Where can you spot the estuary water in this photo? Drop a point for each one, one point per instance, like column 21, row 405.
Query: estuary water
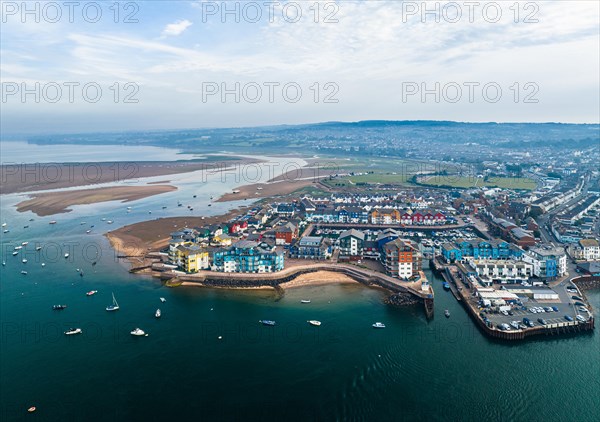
column 443, row 369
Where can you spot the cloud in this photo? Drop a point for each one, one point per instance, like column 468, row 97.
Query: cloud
column 176, row 28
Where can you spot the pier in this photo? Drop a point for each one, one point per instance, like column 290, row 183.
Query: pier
column 463, row 292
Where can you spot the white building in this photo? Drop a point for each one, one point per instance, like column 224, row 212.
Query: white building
column 586, row 249
column 547, row 262
column 502, row 270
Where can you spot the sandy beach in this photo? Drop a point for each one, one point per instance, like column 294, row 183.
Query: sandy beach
column 135, row 240
column 44, row 204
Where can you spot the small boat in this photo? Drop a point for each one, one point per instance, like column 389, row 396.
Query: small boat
column 72, row 331
column 6, row 231
column 163, row 300
column 114, row 306
column 138, row 332
column 103, row 218
column 31, row 409
column 149, row 212
column 18, row 248
column 446, row 286
column 88, row 231
column 43, row 264
column 195, row 196
column 81, row 273
column 52, row 222
column 94, row 263
column 157, row 313
column 38, row 248
column 3, row 224
column 314, row 322
column 15, row 253
column 210, row 205
column 66, row 255
column 82, row 223
column 25, row 243
column 267, row 322
column 24, row 272
column 447, row 313
column 164, row 207
column 305, row 301
column 91, row 293
column 59, row 307
column 26, row 226
column 109, row 222
column 3, row 263
column 379, row 325
column 24, row 261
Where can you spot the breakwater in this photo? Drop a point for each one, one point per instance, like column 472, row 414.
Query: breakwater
column 403, row 293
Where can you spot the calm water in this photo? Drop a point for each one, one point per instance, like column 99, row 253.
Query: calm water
column 415, row 369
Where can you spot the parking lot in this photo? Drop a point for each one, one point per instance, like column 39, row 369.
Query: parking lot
column 565, row 305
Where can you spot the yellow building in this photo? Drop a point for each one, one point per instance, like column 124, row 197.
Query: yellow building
column 190, row 258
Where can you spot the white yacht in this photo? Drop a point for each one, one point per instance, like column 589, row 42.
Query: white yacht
column 24, row 261
column 72, row 331
column 114, row 306
column 314, row 322
column 163, row 300
column 305, row 301
column 379, row 325
column 66, row 255
column 138, row 332
column 157, row 313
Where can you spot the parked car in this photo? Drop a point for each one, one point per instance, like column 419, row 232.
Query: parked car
column 568, row 318
column 542, row 321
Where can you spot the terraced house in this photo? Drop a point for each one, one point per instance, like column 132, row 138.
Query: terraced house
column 247, row 256
column 480, row 249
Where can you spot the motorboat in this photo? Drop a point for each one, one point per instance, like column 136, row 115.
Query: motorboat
column 88, row 231
column 447, row 313
column 6, row 231
column 24, row 243
column 15, row 253
column 163, row 300
column 446, row 286
column 66, row 255
column 3, row 224
column 91, row 293
column 305, row 301
column 24, row 272
column 52, row 222
column 72, row 331
column 43, row 264
column 38, row 248
column 18, row 248
column 138, row 332
column 267, row 322
column 59, row 307
column 3, row 263
column 157, row 313
column 31, row 409
column 24, row 261
column 379, row 325
column 114, row 306
column 314, row 322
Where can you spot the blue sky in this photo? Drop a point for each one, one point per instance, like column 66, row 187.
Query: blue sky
column 367, row 57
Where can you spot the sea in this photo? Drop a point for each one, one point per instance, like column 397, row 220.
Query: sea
column 208, row 358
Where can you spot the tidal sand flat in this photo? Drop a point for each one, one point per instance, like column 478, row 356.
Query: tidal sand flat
column 44, row 204
column 34, row 177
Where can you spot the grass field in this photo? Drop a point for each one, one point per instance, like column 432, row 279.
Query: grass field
column 455, row 181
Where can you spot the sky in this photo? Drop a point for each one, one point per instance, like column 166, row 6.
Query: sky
column 106, row 66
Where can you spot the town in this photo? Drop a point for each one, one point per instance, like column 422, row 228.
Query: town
column 506, row 254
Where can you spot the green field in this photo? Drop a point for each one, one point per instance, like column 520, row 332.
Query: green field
column 455, row 181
